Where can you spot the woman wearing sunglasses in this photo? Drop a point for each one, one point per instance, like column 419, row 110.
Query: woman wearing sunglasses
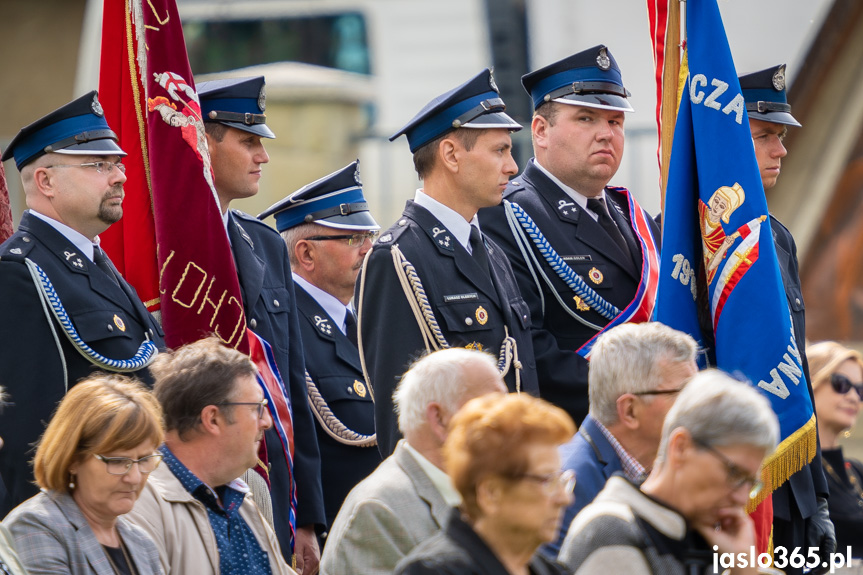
column 837, row 381
column 91, row 464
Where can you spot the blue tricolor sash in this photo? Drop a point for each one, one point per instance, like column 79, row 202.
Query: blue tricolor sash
column 261, row 354
column 715, row 212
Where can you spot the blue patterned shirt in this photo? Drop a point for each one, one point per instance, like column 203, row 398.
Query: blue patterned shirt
column 239, row 550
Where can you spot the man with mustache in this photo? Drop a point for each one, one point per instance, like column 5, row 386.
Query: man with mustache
column 600, row 236
column 327, row 245
column 235, row 123
column 64, row 308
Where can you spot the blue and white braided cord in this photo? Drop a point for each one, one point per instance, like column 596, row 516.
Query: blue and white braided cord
column 144, row 356
column 561, row 268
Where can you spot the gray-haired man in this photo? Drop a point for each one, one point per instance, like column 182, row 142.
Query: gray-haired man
column 409, row 496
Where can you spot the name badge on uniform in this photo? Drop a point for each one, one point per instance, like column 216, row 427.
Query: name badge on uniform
column 584, row 258
column 461, row 297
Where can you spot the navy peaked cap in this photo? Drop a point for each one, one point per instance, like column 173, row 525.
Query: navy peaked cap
column 590, row 78
column 236, row 102
column 764, row 92
column 78, row 128
column 474, row 104
column 335, row 201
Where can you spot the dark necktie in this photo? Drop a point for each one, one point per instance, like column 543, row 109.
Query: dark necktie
column 101, row 261
column 478, row 251
column 597, row 206
column 351, row 326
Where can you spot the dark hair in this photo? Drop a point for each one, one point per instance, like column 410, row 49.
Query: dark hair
column 426, row 156
column 215, row 130
column 548, row 110
column 194, row 376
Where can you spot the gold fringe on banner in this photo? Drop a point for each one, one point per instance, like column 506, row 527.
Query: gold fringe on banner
column 794, row 453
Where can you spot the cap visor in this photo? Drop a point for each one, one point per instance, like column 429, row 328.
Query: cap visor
column 601, row 101
column 102, row 147
column 257, row 129
column 775, row 117
column 355, row 221
column 493, row 120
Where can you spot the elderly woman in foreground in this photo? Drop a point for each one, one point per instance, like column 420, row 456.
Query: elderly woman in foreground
column 501, row 453
column 91, row 463
column 714, row 440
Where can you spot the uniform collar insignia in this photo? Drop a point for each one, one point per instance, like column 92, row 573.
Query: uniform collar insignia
column 442, row 237
column 324, row 326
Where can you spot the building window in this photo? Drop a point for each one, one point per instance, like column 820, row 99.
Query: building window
column 333, row 40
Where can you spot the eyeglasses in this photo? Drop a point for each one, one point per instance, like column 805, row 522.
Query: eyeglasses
column 101, row 167
column 261, row 405
column 737, row 476
column 842, row 385
column 122, row 465
column 658, row 392
column 354, row 240
column 552, row 481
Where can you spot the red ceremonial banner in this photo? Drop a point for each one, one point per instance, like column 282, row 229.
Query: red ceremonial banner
column 6, row 228
column 131, row 242
column 149, row 96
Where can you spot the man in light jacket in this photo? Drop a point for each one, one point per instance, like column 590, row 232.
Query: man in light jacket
column 197, row 510
column 409, row 497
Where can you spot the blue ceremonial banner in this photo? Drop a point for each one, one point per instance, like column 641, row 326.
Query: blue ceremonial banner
column 717, row 232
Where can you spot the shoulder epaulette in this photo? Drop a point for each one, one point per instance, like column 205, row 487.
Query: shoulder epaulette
column 17, row 248
column 392, row 235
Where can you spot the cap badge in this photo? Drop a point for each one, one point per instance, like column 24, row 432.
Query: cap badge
column 481, row 315
column 360, row 388
column 602, row 60
column 262, row 99
column 595, row 276
column 357, row 175
column 491, row 82
column 779, row 79
column 96, row 106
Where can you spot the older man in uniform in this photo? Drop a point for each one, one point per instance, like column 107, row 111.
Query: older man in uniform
column 432, row 280
column 328, row 230
column 235, row 123
column 64, row 308
column 800, row 516
column 598, row 265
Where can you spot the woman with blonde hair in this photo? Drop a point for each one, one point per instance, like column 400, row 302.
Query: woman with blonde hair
column 837, row 382
column 91, row 464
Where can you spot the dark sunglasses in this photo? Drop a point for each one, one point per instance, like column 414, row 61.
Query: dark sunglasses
column 842, row 385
